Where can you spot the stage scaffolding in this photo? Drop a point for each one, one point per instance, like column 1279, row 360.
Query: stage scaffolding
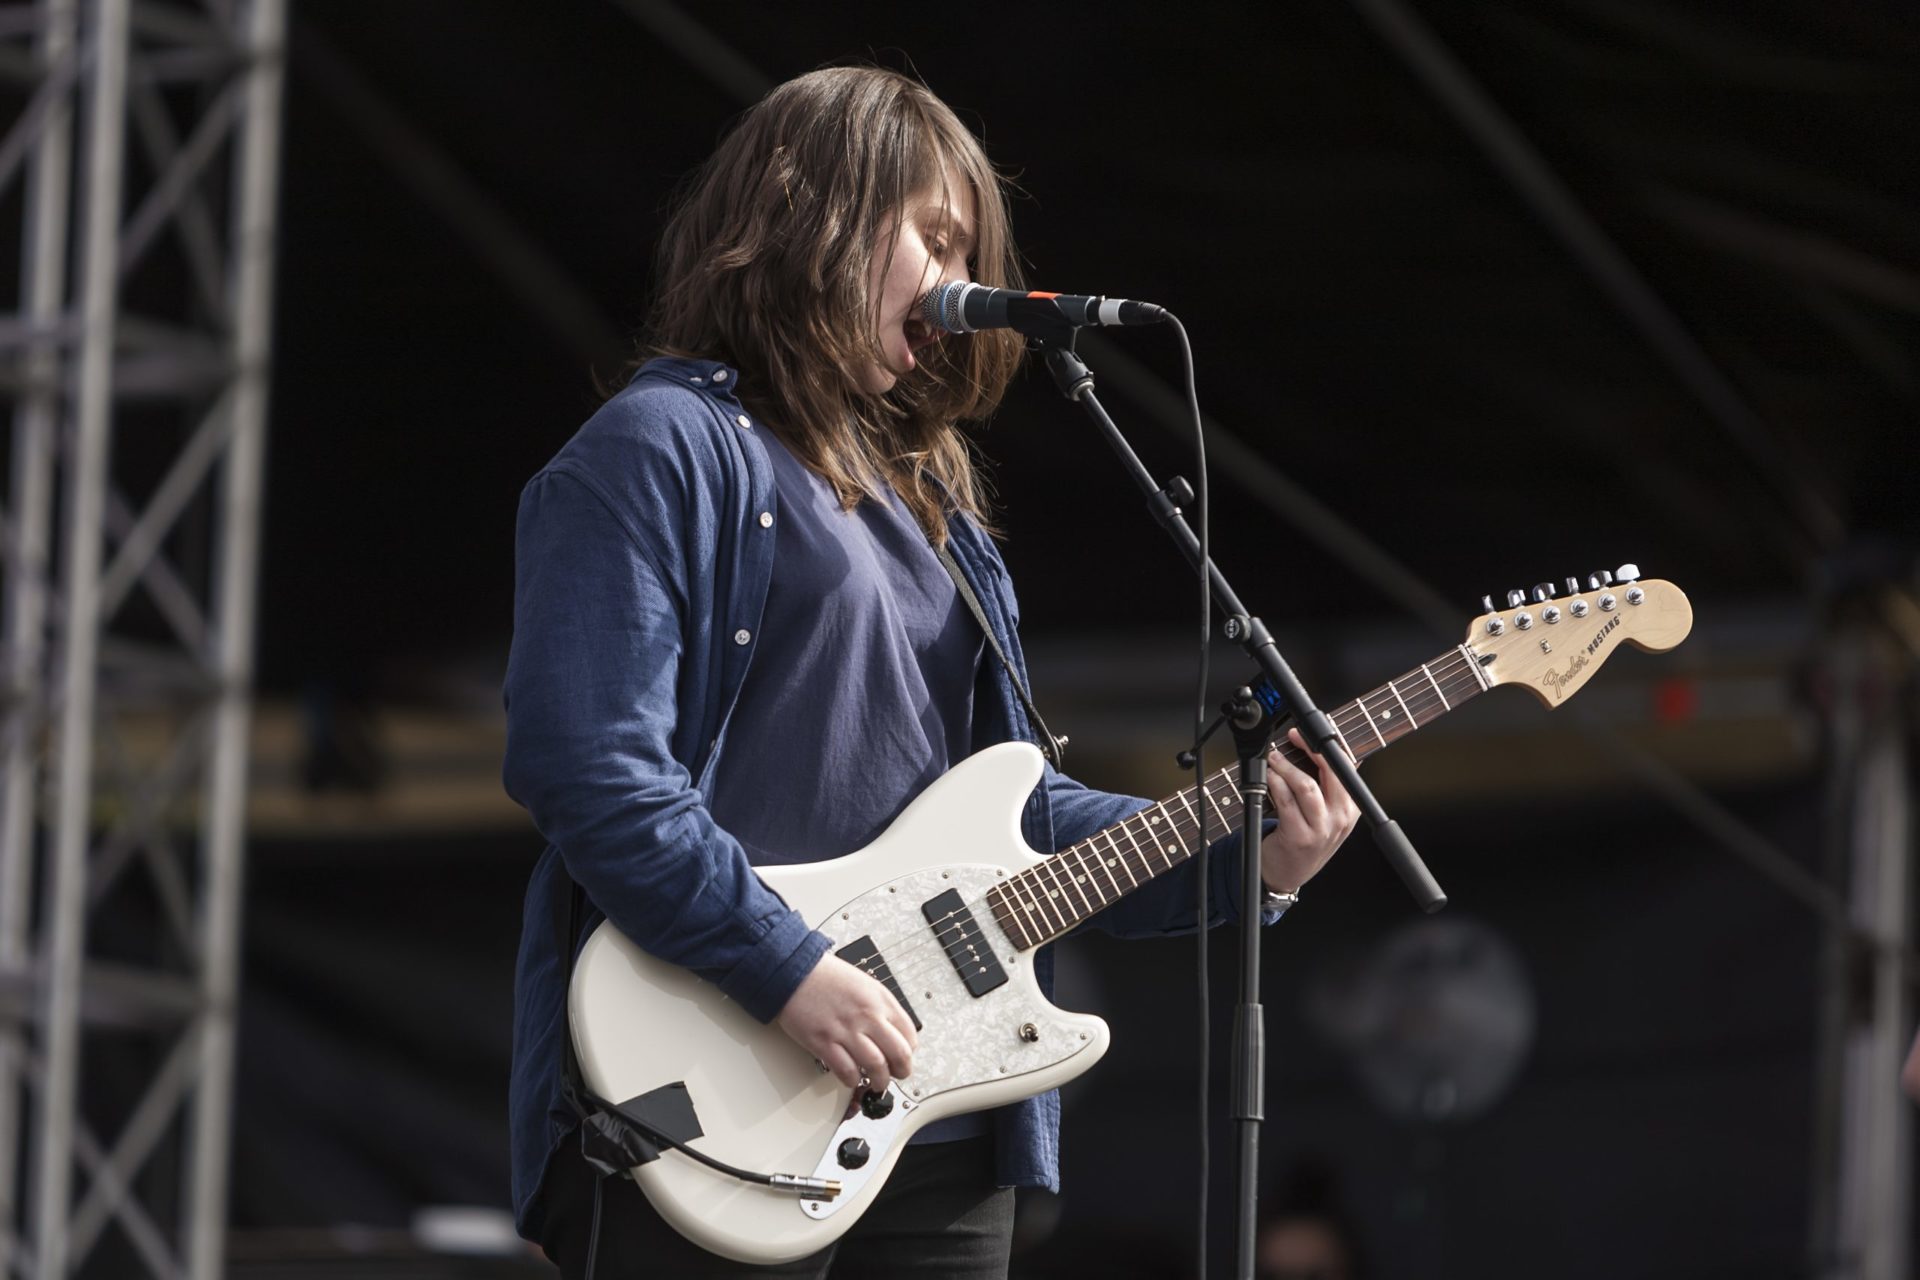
column 134, row 360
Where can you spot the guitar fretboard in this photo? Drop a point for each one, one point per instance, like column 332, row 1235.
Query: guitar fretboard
column 1043, row 903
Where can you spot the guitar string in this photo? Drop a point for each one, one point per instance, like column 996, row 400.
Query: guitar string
column 1053, row 883
column 891, row 954
column 1452, row 675
column 894, row 953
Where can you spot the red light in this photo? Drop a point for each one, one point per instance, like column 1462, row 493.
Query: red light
column 1676, row 701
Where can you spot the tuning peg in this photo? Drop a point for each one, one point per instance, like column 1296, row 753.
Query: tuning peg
column 1573, row 586
column 1486, row 602
column 1516, row 598
column 1599, row 578
column 1626, row 573
column 1542, row 592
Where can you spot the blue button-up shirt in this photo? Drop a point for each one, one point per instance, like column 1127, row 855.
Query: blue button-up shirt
column 642, row 559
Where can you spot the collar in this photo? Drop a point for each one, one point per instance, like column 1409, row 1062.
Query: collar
column 712, row 376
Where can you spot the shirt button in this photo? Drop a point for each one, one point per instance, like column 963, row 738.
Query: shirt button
column 742, row 636
column 719, row 375
column 744, row 420
column 766, row 519
column 696, row 380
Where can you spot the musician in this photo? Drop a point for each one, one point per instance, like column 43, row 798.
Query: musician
column 734, row 644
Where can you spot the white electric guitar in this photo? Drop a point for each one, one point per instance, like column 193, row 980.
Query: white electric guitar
column 946, row 908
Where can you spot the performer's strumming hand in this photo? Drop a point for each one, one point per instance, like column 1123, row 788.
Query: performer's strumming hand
column 852, row 1024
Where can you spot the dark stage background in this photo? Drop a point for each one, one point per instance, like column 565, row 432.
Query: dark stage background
column 1648, row 1133
column 1380, row 315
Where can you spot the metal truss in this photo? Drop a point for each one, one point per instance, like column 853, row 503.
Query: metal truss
column 134, row 364
column 1862, row 1202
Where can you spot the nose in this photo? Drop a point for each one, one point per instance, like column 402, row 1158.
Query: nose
column 952, row 271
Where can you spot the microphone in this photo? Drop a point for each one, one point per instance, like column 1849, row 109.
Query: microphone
column 963, row 308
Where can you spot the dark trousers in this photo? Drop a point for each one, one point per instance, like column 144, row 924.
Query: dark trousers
column 939, row 1217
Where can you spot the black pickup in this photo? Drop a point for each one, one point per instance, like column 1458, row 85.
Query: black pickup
column 973, row 959
column 862, row 954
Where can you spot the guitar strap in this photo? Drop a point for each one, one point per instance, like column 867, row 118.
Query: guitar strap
column 607, row 1145
column 1053, row 748
column 615, row 1136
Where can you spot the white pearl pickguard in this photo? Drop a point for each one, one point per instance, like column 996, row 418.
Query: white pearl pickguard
column 763, row 1103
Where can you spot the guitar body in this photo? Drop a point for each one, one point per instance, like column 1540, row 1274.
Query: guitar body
column 762, row 1102
column 913, row 910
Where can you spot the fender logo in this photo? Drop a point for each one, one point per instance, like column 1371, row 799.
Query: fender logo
column 1557, row 680
column 1561, row 681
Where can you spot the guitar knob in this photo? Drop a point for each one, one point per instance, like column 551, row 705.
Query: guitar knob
column 1542, row 592
column 1626, row 573
column 854, row 1153
column 876, row 1106
column 1516, row 598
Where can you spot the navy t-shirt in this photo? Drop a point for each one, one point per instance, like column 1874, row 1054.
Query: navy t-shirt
column 861, row 689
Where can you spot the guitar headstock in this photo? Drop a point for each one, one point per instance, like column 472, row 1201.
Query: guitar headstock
column 1552, row 644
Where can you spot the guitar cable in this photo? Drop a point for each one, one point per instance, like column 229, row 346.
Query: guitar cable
column 605, row 1117
column 805, row 1187
column 593, row 1229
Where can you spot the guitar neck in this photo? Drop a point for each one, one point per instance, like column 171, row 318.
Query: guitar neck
column 1045, row 902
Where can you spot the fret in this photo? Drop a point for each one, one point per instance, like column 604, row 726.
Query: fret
column 1110, row 858
column 1159, row 848
column 1126, row 829
column 1345, row 745
column 1063, row 878
column 1090, row 866
column 1372, row 723
column 1436, row 688
column 1199, row 827
column 1082, row 878
column 1108, row 863
column 1394, row 689
column 1226, row 820
column 997, row 905
column 1048, row 899
column 1060, row 893
column 1024, row 910
column 1010, row 904
column 1031, row 914
column 1057, row 892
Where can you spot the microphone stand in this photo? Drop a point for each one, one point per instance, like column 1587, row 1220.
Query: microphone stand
column 1252, row 730
column 1075, row 381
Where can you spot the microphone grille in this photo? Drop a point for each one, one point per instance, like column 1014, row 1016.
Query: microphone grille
column 941, row 310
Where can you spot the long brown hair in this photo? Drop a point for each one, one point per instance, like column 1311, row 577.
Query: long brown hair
column 765, row 264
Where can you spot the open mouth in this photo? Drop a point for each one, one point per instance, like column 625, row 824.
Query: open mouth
column 919, row 335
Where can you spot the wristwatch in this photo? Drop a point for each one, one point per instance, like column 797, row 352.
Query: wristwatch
column 1271, row 901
